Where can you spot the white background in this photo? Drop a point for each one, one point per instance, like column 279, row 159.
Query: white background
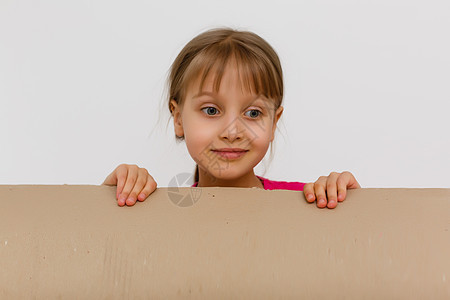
column 367, row 87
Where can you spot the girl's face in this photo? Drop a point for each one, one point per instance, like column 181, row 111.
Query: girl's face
column 230, row 118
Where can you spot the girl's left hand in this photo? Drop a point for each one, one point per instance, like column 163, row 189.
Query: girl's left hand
column 334, row 186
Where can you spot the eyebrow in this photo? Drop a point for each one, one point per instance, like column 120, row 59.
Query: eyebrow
column 257, row 97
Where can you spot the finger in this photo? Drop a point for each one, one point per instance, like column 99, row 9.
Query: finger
column 342, row 187
column 129, row 184
column 319, row 190
column 121, row 175
column 138, row 187
column 308, row 190
column 149, row 188
column 352, row 182
column 110, row 179
column 332, row 189
column 344, row 182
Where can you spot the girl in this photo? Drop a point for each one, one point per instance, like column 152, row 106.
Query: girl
column 225, row 96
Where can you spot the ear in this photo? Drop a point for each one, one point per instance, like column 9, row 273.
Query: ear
column 177, row 121
column 277, row 116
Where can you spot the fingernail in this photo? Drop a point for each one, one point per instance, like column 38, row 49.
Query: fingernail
column 142, row 196
column 310, row 197
column 322, row 202
column 122, row 198
column 131, row 200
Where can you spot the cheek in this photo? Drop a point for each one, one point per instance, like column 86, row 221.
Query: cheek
column 198, row 138
column 263, row 132
column 261, row 139
column 197, row 132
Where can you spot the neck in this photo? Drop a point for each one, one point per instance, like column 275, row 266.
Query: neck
column 249, row 180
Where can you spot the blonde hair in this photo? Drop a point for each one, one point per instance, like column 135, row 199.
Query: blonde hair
column 258, row 63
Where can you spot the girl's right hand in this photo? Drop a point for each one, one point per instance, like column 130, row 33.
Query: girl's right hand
column 133, row 183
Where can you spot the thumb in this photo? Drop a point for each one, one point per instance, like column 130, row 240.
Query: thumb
column 111, row 179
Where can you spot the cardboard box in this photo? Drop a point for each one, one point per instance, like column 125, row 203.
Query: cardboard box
column 76, row 242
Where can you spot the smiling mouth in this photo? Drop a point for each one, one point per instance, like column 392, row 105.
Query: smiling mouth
column 233, row 154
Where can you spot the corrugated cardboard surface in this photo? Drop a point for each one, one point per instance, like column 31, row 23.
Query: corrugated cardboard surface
column 75, row 242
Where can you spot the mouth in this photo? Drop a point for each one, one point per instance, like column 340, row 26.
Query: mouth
column 230, row 153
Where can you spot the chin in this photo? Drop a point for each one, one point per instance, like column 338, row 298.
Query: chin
column 227, row 174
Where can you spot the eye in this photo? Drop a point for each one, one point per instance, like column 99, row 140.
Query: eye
column 254, row 113
column 210, row 109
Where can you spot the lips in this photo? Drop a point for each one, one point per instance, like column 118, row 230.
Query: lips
column 230, row 153
column 229, row 150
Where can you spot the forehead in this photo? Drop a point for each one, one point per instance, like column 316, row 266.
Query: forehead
column 212, row 79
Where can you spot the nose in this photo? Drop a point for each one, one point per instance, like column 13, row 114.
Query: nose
column 234, row 130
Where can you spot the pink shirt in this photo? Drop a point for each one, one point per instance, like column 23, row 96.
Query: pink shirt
column 277, row 185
